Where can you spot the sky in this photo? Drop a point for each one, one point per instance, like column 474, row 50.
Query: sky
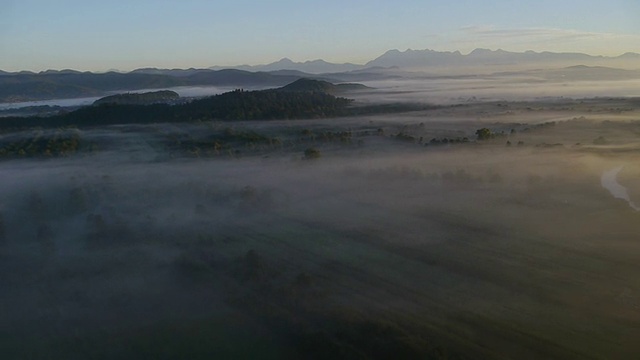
column 91, row 35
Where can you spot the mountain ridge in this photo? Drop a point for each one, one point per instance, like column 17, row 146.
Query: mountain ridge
column 433, row 58
column 391, row 58
column 317, row 66
column 67, row 83
column 480, row 56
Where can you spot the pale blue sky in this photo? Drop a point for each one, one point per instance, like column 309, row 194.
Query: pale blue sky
column 128, row 34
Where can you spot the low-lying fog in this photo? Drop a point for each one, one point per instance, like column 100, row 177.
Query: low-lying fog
column 372, row 237
column 183, row 91
column 435, row 89
column 493, row 88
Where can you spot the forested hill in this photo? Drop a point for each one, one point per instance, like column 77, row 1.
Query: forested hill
column 147, row 98
column 268, row 105
column 235, row 105
column 20, row 87
column 312, row 85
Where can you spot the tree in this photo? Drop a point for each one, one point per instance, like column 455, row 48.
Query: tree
column 311, row 153
column 484, row 134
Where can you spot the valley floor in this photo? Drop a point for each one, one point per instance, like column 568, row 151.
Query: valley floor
column 395, row 236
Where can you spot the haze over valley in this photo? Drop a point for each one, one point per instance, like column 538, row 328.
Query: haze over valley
column 23, row 88
column 458, row 203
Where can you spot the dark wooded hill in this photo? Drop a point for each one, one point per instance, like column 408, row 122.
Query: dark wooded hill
column 148, row 98
column 235, row 105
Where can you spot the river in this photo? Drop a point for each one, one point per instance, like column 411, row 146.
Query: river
column 609, row 181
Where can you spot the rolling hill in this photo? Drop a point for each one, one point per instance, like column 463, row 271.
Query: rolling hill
column 53, row 84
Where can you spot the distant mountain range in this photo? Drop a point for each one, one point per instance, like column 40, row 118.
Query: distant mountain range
column 485, row 57
column 57, row 84
column 412, row 59
column 311, row 67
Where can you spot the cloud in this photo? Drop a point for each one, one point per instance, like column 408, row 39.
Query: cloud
column 487, row 32
column 552, row 39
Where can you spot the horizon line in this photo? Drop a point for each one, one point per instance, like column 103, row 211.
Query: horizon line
column 317, row 59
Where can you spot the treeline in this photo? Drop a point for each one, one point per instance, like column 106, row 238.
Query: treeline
column 57, row 143
column 268, row 105
column 147, row 98
column 235, row 105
